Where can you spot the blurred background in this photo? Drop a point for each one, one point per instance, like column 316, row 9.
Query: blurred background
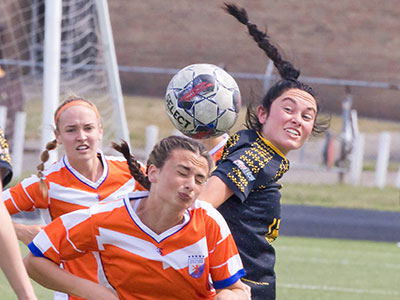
column 342, row 193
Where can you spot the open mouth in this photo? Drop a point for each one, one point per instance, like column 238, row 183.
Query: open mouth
column 82, row 147
column 292, row 132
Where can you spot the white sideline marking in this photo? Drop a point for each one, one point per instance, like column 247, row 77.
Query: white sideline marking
column 338, row 289
column 345, row 251
column 344, row 262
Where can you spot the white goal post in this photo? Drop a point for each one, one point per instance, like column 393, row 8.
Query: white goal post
column 50, row 49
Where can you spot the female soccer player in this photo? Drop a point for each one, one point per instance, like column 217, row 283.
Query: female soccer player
column 161, row 244
column 244, row 185
column 10, row 258
column 84, row 176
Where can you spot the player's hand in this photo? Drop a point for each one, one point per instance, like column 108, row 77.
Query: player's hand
column 237, row 291
column 226, row 295
column 246, row 288
column 26, row 233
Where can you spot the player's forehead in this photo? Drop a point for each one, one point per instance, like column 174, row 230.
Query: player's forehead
column 299, row 96
column 78, row 112
column 188, row 160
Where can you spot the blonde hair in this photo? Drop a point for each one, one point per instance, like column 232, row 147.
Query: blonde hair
column 44, row 156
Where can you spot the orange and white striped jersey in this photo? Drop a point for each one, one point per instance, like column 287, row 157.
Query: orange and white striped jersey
column 186, row 261
column 216, row 152
column 68, row 191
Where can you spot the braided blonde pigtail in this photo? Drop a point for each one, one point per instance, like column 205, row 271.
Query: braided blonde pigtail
column 45, row 157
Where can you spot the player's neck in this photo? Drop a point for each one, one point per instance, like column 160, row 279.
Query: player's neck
column 91, row 169
column 158, row 218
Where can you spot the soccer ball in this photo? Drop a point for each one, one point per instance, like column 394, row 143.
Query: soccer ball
column 202, row 101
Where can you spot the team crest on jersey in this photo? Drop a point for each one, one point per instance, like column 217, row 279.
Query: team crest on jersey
column 196, row 265
column 246, row 171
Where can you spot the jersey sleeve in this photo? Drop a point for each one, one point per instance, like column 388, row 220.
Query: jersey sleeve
column 5, row 160
column 225, row 264
column 239, row 168
column 67, row 237
column 25, row 196
column 249, row 164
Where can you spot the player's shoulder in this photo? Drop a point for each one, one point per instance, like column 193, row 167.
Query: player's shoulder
column 119, row 161
column 239, row 142
column 251, row 141
column 107, row 206
column 115, row 158
column 242, row 138
column 210, row 216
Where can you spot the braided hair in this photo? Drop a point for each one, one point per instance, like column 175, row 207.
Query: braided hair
column 160, row 154
column 134, row 165
column 44, row 156
column 289, row 74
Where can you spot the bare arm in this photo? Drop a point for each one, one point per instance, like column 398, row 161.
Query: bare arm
column 237, row 291
column 10, row 258
column 26, row 233
column 51, row 276
column 215, row 191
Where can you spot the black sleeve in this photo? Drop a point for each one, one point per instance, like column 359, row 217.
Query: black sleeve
column 248, row 164
column 236, row 174
column 5, row 160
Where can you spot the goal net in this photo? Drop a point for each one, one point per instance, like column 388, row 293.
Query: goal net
column 83, row 69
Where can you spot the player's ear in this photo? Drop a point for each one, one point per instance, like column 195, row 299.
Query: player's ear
column 262, row 114
column 153, row 173
column 57, row 134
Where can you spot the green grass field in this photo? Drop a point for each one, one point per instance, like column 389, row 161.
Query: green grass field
column 317, row 269
column 342, row 195
column 6, row 293
column 326, row 269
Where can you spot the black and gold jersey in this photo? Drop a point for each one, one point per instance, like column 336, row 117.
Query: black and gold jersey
column 250, row 167
column 5, row 160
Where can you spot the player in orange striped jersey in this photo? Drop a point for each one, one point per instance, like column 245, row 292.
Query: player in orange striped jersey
column 215, row 146
column 161, row 244
column 84, row 176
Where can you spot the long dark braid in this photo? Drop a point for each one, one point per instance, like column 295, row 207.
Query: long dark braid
column 287, row 71
column 285, row 68
column 134, row 165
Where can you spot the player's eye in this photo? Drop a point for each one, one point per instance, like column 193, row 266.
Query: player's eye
column 200, row 181
column 308, row 117
column 181, row 173
column 287, row 109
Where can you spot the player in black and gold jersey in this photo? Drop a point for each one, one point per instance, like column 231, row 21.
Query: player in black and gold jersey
column 10, row 258
column 244, row 185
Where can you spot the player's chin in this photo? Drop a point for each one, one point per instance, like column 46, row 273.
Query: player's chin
column 291, row 145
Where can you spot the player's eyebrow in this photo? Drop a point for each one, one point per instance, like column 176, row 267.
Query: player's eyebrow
column 188, row 169
column 311, row 108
